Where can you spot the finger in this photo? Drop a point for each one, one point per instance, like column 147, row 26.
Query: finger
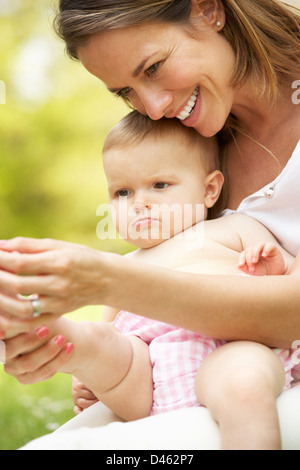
column 26, row 342
column 85, row 394
column 83, row 403
column 244, row 269
column 257, row 251
column 19, row 306
column 242, row 260
column 35, row 360
column 27, row 285
column 252, row 254
column 269, row 249
column 30, row 245
column 255, row 254
column 35, row 263
column 77, row 410
column 48, row 370
column 15, row 305
column 22, row 308
column 248, row 258
column 13, row 326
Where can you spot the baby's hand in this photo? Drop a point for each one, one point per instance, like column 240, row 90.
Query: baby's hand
column 262, row 259
column 82, row 397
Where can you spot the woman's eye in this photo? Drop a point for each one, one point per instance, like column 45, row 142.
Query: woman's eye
column 123, row 93
column 123, row 193
column 152, row 70
column 161, row 185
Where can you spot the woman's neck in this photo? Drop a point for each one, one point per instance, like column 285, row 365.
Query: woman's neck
column 261, row 151
column 259, row 118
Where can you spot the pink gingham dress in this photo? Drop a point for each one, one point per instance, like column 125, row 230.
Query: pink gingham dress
column 176, row 355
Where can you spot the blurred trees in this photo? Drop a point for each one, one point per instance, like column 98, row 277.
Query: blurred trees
column 52, row 128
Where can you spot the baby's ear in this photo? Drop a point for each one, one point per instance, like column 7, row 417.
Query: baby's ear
column 213, row 187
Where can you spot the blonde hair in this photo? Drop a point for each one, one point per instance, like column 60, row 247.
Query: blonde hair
column 264, row 34
column 134, row 128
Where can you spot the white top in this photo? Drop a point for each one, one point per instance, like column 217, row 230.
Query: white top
column 277, row 205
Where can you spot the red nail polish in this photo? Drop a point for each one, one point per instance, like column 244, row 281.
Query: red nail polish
column 69, row 348
column 42, row 332
column 60, row 340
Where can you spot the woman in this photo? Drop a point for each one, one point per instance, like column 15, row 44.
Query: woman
column 241, row 59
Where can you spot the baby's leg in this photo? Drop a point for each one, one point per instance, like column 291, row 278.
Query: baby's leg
column 115, row 367
column 239, row 383
column 132, row 398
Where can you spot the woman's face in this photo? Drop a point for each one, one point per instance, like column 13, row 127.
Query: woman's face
column 164, row 71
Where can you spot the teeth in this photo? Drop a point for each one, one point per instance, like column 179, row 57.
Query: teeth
column 187, row 110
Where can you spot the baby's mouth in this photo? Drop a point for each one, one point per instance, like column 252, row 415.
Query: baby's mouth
column 189, row 108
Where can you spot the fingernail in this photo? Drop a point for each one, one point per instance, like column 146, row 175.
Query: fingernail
column 60, row 340
column 42, row 332
column 69, row 348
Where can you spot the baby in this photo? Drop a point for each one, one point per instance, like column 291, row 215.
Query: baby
column 163, row 181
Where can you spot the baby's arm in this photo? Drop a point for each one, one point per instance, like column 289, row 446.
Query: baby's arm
column 261, row 253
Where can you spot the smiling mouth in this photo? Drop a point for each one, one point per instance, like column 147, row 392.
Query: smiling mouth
column 189, row 108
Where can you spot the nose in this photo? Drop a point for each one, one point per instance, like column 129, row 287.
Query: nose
column 141, row 202
column 152, row 102
column 140, row 206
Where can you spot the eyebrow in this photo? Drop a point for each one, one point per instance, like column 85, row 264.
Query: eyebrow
column 140, row 67
column 136, row 72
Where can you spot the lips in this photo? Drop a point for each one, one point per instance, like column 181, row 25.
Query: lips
column 144, row 222
column 187, row 111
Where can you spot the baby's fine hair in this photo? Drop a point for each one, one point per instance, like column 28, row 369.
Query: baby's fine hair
column 134, row 128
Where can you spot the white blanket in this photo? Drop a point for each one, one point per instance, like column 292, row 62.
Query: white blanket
column 186, row 429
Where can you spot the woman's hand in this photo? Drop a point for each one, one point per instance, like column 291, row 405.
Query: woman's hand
column 64, row 275
column 11, row 326
column 82, row 397
column 30, row 360
column 37, row 355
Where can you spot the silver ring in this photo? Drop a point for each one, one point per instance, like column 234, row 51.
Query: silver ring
column 36, row 305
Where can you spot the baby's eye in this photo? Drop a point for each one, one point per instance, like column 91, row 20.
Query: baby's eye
column 161, row 185
column 123, row 193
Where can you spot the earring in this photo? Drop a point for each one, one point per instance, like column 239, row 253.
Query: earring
column 218, row 23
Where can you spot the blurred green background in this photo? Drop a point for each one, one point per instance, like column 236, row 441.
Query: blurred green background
column 52, row 128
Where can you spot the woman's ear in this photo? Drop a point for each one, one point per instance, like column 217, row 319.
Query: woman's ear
column 213, row 187
column 211, row 10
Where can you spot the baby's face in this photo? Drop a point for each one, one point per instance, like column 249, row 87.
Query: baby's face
column 156, row 189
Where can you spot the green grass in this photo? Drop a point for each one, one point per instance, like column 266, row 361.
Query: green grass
column 31, row 411
column 28, row 412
